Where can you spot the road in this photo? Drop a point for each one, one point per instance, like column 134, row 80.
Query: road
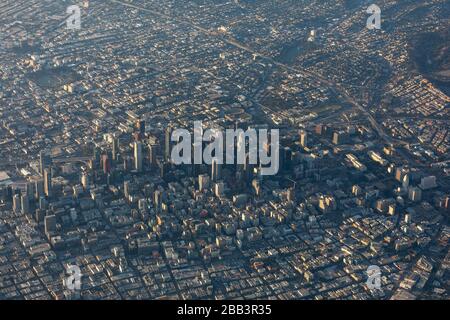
column 229, row 40
column 55, row 160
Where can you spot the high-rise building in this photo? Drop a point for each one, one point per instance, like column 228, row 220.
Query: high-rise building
column 428, row 183
column 115, row 148
column 44, row 161
column 219, row 189
column 203, row 182
column 48, row 182
column 127, row 163
column 303, row 138
column 320, row 129
column 138, row 156
column 167, row 143
column 50, row 224
column 126, row 189
column 216, row 170
column 140, row 126
column 16, row 203
column 415, row 194
column 40, row 215
column 291, row 194
column 340, row 137
column 157, row 198
column 256, row 184
column 42, row 203
column 96, row 157
column 29, row 190
column 153, row 151
column 85, row 180
column 106, row 164
column 25, row 204
column 142, row 205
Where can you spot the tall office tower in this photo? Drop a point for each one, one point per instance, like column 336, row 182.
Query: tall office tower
column 256, row 184
column 29, row 190
column 400, row 173
column 50, row 224
column 142, row 205
column 127, row 163
column 291, row 194
column 153, row 153
column 42, row 203
column 38, row 189
column 405, row 181
column 40, row 215
column 203, row 182
column 303, row 138
column 446, row 202
column 126, row 189
column 138, row 156
column 16, row 203
column 163, row 168
column 286, row 158
column 7, row 194
column 25, row 204
column 168, row 144
column 428, row 183
column 96, row 157
column 216, row 170
column 140, row 126
column 319, row 129
column 44, row 161
column 115, row 148
column 219, row 189
column 340, row 137
column 48, row 182
column 196, row 167
column 157, row 198
column 415, row 194
column 85, row 180
column 106, row 164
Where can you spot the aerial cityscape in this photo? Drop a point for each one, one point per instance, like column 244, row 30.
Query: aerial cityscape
column 224, row 149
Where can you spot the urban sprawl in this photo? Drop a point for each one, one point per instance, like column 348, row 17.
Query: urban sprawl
column 87, row 178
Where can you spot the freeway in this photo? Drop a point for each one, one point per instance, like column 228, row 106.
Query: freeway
column 321, row 79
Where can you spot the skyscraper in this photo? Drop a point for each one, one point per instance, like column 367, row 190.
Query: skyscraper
column 50, row 224
column 126, row 189
column 25, row 204
column 167, row 143
column 29, row 190
column 138, row 156
column 16, row 203
column 39, row 188
column 115, row 148
column 140, row 125
column 85, row 180
column 153, row 153
column 106, row 164
column 216, row 170
column 203, row 182
column 48, row 182
column 44, row 161
column 303, row 138
column 96, row 157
